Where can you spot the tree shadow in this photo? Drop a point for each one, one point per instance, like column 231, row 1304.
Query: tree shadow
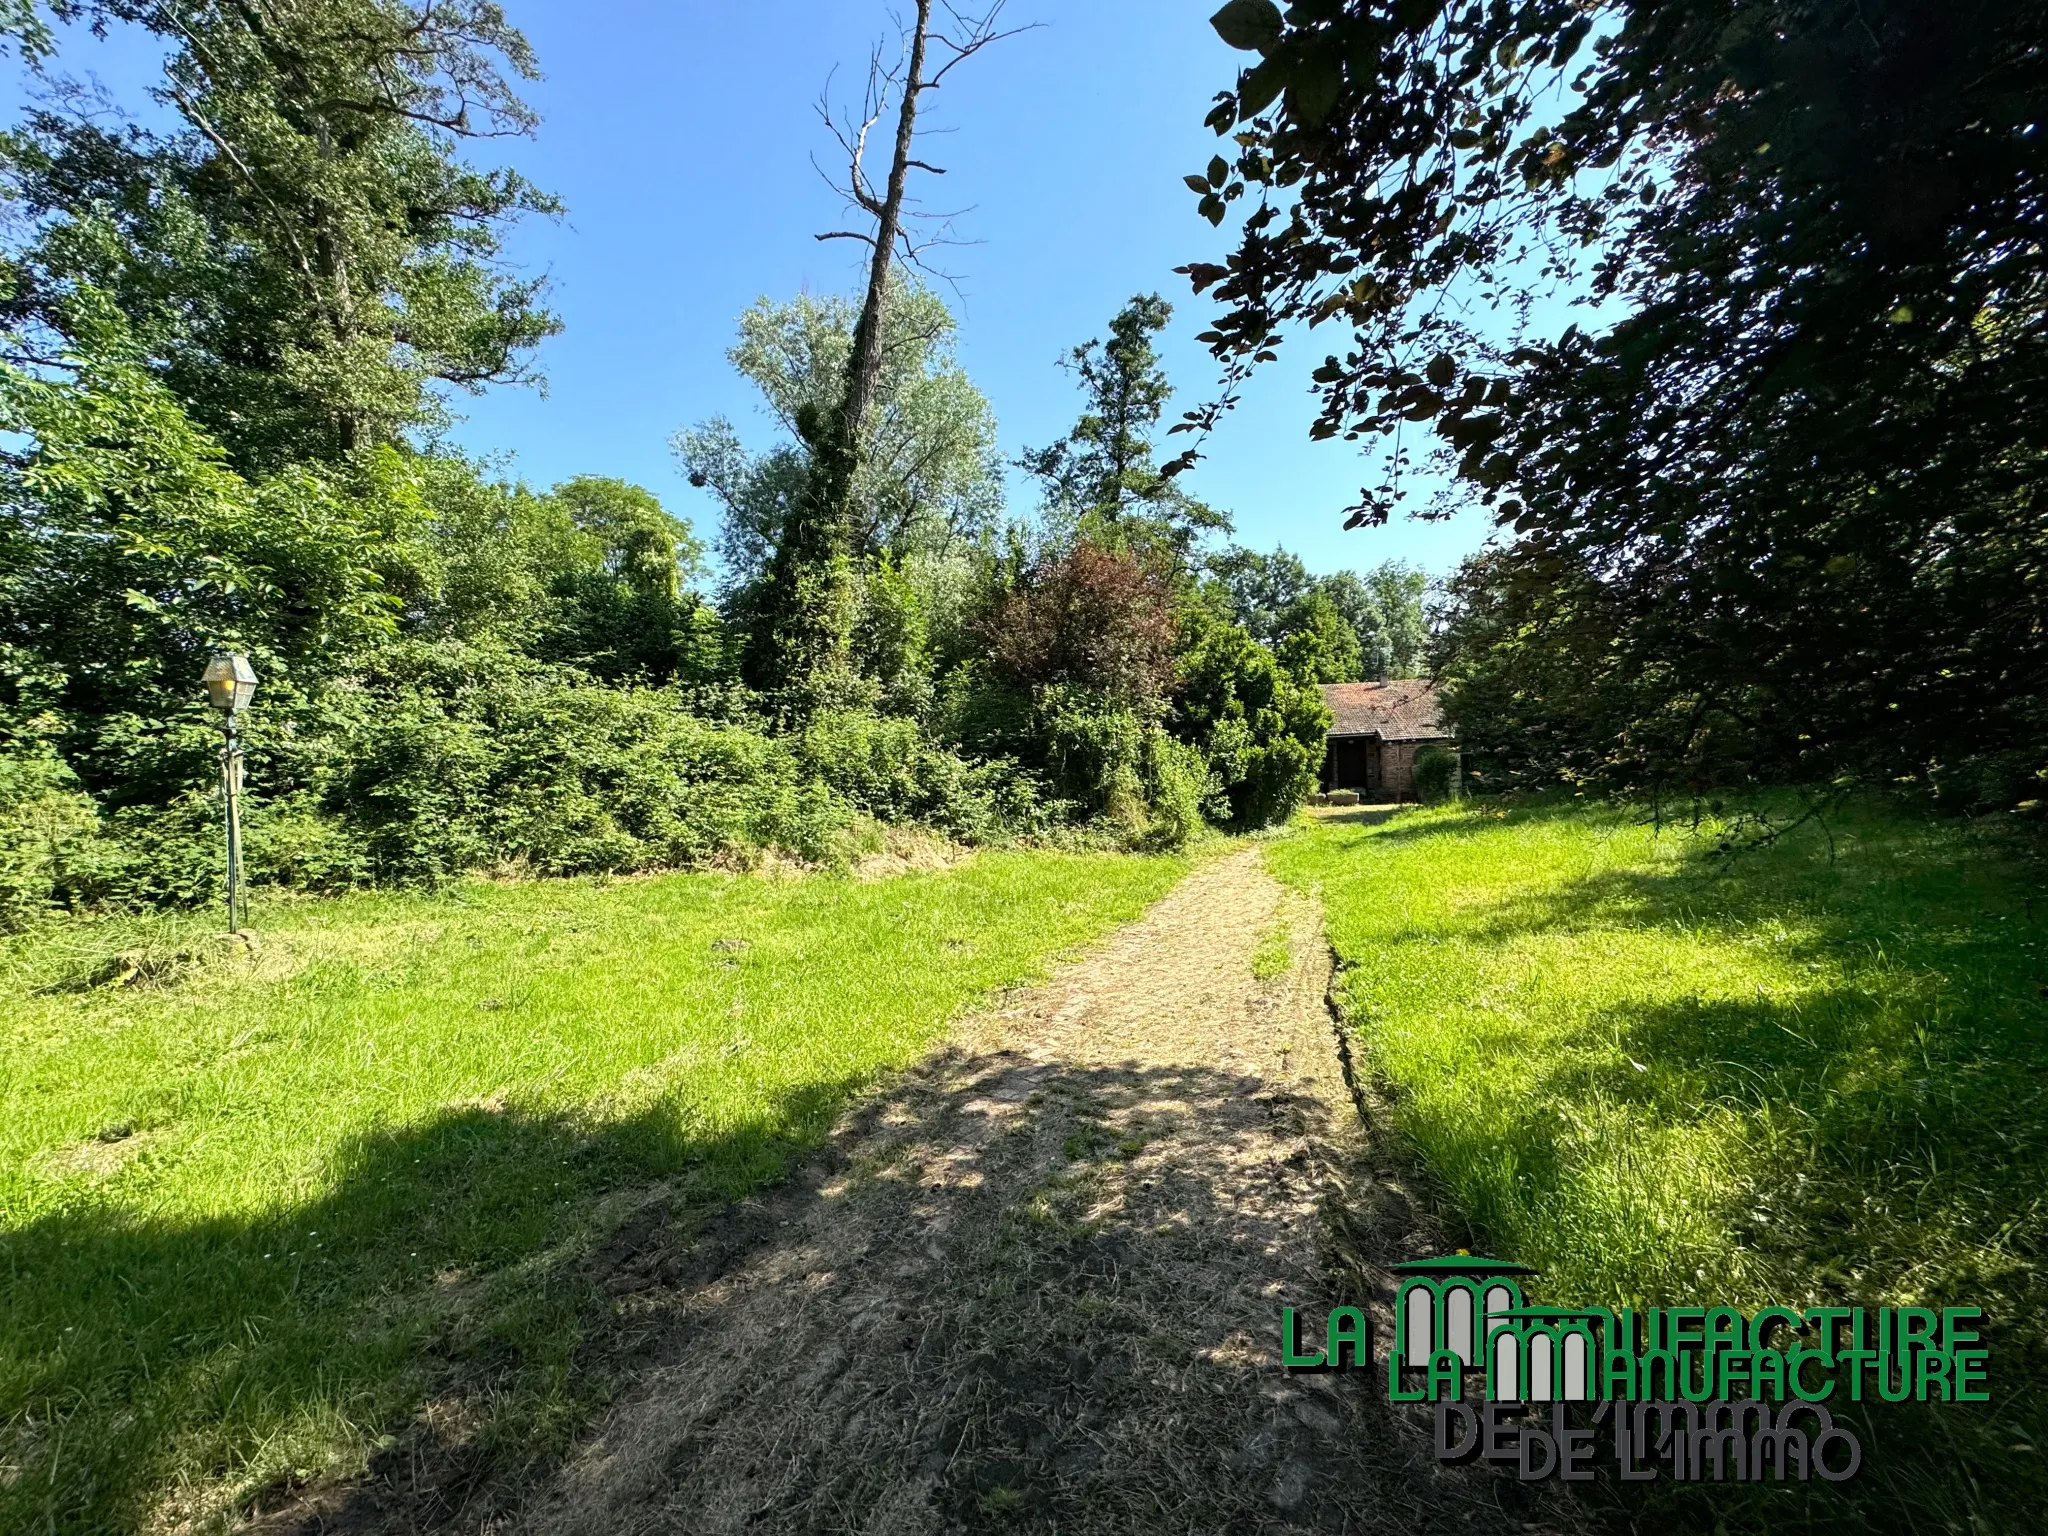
column 1879, row 1089
column 1021, row 1294
column 1029, row 1295
column 458, row 1258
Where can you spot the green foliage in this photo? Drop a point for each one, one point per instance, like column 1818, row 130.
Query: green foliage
column 1397, row 590
column 1318, row 646
column 45, row 821
column 309, row 253
column 890, row 769
column 621, row 610
column 1102, row 476
column 1664, row 1077
column 930, row 477
column 892, row 638
column 1261, row 729
column 1178, row 784
column 132, row 549
column 514, row 768
column 1357, row 600
column 233, row 333
column 1789, row 490
column 1275, row 598
column 1093, row 746
column 811, row 525
column 1436, row 775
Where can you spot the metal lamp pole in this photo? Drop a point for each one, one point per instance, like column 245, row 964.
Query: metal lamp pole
column 231, row 784
column 230, row 684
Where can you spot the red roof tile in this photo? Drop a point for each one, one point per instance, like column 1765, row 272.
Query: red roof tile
column 1399, row 711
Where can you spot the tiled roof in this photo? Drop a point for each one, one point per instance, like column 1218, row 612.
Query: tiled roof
column 1398, row 711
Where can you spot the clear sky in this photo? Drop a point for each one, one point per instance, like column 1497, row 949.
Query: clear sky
column 681, row 138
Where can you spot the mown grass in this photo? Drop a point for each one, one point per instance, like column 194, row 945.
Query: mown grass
column 1808, row 1071
column 255, row 1211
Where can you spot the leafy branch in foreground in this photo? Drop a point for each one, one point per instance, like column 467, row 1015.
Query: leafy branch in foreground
column 1795, row 481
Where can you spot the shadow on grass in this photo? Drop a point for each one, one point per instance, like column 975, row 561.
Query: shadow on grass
column 1885, row 1082
column 1028, row 1266
column 461, row 1259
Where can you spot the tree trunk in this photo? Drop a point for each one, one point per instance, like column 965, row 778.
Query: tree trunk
column 800, row 649
column 864, row 368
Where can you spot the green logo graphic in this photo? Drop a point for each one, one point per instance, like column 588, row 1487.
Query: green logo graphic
column 1701, row 1390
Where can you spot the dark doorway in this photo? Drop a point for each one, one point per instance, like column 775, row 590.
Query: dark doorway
column 1352, row 762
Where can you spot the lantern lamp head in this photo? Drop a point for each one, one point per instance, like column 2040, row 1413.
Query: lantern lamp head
column 230, row 683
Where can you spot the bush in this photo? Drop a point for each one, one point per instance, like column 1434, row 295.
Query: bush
column 561, row 777
column 1437, row 775
column 889, row 768
column 1178, row 782
column 1094, row 754
column 46, row 826
column 1261, row 730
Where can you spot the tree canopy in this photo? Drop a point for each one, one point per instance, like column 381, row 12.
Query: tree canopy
column 309, row 255
column 930, row 475
column 1104, row 473
column 1788, row 497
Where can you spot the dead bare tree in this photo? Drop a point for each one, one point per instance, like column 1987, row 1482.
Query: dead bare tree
column 798, row 649
column 904, row 86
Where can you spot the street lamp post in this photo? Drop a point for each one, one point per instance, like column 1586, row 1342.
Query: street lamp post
column 230, row 685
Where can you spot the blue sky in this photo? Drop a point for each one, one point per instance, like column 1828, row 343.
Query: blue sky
column 681, row 137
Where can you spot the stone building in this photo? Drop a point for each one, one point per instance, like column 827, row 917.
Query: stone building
column 1377, row 730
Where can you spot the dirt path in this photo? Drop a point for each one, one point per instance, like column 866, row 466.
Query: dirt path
column 1036, row 1285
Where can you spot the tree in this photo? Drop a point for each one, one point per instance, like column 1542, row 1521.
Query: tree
column 1397, row 592
column 929, row 479
column 1268, row 595
column 309, row 255
column 1317, row 645
column 622, row 608
column 803, row 618
column 1102, row 475
column 1093, row 617
column 1260, row 726
column 1800, row 469
column 130, row 549
column 1360, row 608
column 1259, row 588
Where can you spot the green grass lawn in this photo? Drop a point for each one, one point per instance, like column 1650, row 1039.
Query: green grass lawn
column 1664, row 1076
column 253, row 1215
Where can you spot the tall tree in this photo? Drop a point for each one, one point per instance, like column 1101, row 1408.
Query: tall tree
column 310, row 254
column 1104, row 471
column 799, row 644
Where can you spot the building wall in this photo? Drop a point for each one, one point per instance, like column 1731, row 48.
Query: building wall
column 1382, row 770
column 1397, row 774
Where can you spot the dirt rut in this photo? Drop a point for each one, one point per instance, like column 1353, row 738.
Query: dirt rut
column 1035, row 1285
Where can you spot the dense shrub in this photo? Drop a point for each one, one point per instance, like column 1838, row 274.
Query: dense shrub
column 1436, row 775
column 1093, row 618
column 1261, row 729
column 1094, row 749
column 889, row 768
column 560, row 777
column 1178, row 782
column 46, row 824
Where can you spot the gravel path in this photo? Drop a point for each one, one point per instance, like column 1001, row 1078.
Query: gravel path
column 1035, row 1285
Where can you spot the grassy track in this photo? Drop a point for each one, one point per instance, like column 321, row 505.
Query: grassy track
column 1665, row 1077
column 252, row 1217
